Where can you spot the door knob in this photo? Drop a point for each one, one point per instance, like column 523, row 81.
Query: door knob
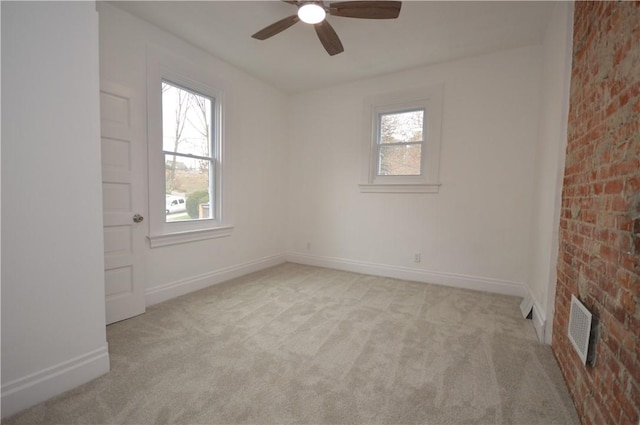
column 137, row 218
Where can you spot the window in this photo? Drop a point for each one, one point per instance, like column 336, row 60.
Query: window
column 400, row 143
column 402, row 140
column 189, row 154
column 186, row 153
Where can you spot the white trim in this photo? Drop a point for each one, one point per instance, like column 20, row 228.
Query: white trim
column 40, row 386
column 562, row 153
column 156, row 241
column 399, row 188
column 187, row 73
column 181, row 287
column 477, row 283
column 537, row 317
column 526, row 306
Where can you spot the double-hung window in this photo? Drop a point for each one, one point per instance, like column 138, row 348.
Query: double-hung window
column 190, row 157
column 186, row 153
column 402, row 142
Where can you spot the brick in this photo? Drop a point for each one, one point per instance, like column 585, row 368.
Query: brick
column 613, row 187
column 624, row 168
column 608, row 254
column 623, row 278
column 597, row 188
column 589, row 217
column 613, row 409
column 586, row 229
column 619, row 204
column 629, row 362
column 623, row 223
column 624, row 242
column 628, row 301
column 634, row 395
column 613, row 344
column 616, row 309
column 630, row 261
column 627, row 408
column 607, row 219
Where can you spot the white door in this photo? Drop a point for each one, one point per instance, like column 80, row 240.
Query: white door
column 124, row 228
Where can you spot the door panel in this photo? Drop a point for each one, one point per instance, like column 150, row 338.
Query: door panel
column 119, row 282
column 116, row 154
column 121, row 187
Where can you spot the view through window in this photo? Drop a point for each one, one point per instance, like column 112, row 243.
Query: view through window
column 400, row 143
column 189, row 154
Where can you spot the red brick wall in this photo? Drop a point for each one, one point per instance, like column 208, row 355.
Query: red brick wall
column 600, row 223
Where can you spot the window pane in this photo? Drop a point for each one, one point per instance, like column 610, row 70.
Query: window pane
column 401, row 127
column 186, row 121
column 187, row 189
column 403, row 160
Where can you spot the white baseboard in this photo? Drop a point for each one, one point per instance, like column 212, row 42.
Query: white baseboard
column 419, row 275
column 181, row 287
column 40, row 386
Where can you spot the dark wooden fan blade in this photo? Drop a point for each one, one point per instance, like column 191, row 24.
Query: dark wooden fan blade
column 329, row 38
column 276, row 28
column 290, row 1
column 366, row 9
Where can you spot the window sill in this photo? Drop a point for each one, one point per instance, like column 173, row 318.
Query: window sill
column 190, row 236
column 400, row 188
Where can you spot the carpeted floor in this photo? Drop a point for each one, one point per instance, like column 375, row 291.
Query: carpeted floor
column 299, row 344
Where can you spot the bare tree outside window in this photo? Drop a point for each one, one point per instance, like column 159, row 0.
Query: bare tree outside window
column 181, row 108
column 201, row 122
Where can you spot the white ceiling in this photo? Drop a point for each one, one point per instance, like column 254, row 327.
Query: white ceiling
column 426, row 32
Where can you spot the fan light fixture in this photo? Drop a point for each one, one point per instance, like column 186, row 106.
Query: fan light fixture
column 311, row 13
column 314, row 12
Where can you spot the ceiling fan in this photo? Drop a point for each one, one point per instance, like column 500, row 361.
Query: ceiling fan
column 315, row 12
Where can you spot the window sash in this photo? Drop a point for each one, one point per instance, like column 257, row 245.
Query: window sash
column 211, row 166
column 387, row 146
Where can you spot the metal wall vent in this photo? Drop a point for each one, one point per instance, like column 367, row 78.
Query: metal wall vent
column 582, row 331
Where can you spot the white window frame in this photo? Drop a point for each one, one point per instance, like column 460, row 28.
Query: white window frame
column 428, row 99
column 163, row 66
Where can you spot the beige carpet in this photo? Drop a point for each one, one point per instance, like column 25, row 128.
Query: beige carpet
column 298, row 344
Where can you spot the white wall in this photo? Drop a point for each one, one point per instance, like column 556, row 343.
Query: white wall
column 53, row 311
column 255, row 139
column 475, row 232
column 549, row 166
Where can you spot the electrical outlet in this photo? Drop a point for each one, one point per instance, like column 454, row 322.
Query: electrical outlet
column 417, row 257
column 308, row 246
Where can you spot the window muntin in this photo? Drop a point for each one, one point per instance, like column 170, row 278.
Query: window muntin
column 189, row 153
column 400, row 140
